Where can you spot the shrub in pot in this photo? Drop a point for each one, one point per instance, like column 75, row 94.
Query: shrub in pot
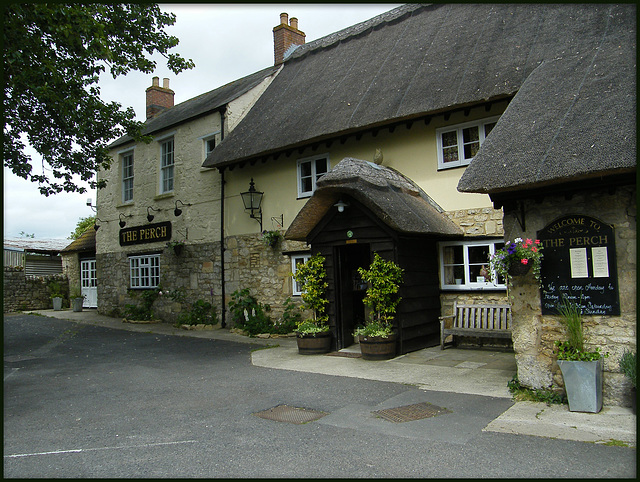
column 377, row 338
column 77, row 299
column 581, row 369
column 628, row 363
column 312, row 334
column 55, row 290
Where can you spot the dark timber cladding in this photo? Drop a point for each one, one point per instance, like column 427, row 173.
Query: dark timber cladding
column 348, row 240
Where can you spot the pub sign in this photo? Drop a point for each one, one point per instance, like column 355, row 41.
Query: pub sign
column 579, row 264
column 149, row 233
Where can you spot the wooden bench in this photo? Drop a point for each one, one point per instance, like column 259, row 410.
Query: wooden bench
column 478, row 320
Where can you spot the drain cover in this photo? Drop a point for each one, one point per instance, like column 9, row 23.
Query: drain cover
column 285, row 413
column 409, row 413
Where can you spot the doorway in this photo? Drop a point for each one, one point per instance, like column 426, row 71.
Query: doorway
column 350, row 290
column 89, row 283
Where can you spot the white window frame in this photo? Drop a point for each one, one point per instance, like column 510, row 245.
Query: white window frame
column 167, row 163
column 205, row 143
column 295, row 260
column 144, row 271
column 314, row 174
column 448, row 270
column 127, row 181
column 459, row 128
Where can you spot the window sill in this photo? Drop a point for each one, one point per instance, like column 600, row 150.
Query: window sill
column 165, row 195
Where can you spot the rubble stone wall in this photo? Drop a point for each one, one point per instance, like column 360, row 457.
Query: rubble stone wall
column 22, row 293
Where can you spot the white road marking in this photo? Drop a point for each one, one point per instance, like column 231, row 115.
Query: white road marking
column 75, row 451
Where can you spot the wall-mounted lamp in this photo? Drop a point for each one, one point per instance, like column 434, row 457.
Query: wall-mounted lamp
column 96, row 226
column 149, row 215
column 252, row 200
column 177, row 211
column 341, row 205
column 123, row 223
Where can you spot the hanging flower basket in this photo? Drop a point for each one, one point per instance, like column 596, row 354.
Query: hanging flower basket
column 519, row 269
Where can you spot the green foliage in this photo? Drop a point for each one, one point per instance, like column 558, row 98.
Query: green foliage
column 573, row 348
column 55, row 289
column 628, row 363
column 201, row 313
column 27, row 235
column 143, row 311
column 312, row 278
column 526, row 394
column 82, row 226
column 384, row 279
column 524, row 252
column 53, row 56
column 250, row 315
column 271, row 238
column 291, row 316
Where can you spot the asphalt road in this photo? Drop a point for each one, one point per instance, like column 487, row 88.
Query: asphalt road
column 86, row 401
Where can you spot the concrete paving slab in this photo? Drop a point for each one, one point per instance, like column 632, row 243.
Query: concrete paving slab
column 556, row 421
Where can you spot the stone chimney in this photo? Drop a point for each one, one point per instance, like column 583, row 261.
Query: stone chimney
column 159, row 98
column 284, row 36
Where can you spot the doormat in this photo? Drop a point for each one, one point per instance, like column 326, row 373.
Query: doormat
column 409, row 413
column 285, row 413
column 345, row 354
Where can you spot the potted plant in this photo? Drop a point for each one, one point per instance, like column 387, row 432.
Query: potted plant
column 628, row 363
column 55, row 290
column 312, row 334
column 177, row 246
column 581, row 369
column 77, row 299
column 271, row 238
column 517, row 258
column 377, row 338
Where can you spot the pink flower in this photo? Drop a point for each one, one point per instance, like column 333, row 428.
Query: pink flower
column 524, row 261
column 537, row 241
column 534, row 249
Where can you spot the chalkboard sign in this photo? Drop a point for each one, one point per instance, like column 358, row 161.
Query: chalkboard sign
column 579, row 264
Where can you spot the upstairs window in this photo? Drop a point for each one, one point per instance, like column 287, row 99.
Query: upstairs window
column 457, row 145
column 463, row 265
column 309, row 171
column 209, row 142
column 127, row 177
column 166, row 166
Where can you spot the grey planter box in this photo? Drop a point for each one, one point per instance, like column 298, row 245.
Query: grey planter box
column 76, row 304
column 57, row 303
column 583, row 383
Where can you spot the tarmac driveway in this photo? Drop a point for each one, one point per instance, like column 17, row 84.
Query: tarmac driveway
column 89, row 401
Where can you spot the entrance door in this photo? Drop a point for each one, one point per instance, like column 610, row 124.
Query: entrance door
column 89, row 283
column 350, row 290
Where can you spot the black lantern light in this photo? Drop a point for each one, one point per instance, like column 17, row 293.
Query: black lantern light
column 177, row 211
column 122, row 222
column 149, row 215
column 252, row 200
column 96, row 226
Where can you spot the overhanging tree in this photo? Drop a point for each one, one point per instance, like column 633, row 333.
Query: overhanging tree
column 53, row 56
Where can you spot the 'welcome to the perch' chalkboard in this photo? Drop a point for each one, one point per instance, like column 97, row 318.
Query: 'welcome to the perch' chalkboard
column 579, row 263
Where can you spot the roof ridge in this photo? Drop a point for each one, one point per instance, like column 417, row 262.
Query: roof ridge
column 354, row 30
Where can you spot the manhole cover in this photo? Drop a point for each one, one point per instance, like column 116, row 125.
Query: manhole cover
column 409, row 413
column 285, row 413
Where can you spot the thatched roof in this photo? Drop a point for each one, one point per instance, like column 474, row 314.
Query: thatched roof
column 86, row 242
column 390, row 196
column 201, row 105
column 414, row 61
column 573, row 119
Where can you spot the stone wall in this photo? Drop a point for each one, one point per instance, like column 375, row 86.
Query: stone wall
column 21, row 293
column 478, row 221
column 534, row 334
column 196, row 273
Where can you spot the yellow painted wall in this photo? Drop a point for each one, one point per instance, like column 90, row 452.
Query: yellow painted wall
column 412, row 151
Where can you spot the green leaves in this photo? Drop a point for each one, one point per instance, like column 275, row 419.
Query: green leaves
column 53, row 56
column 384, row 279
column 312, row 278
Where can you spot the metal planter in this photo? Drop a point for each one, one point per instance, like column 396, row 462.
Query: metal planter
column 583, row 384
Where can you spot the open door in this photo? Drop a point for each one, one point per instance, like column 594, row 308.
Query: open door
column 350, row 290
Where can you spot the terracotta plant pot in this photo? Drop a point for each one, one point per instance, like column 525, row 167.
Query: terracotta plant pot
column 314, row 344
column 378, row 347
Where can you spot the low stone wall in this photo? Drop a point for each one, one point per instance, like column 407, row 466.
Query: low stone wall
column 22, row 293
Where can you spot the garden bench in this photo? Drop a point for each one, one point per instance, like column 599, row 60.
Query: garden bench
column 478, row 320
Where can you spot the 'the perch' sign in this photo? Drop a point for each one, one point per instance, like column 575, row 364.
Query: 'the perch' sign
column 579, row 263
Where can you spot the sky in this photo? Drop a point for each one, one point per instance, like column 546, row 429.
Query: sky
column 226, row 42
